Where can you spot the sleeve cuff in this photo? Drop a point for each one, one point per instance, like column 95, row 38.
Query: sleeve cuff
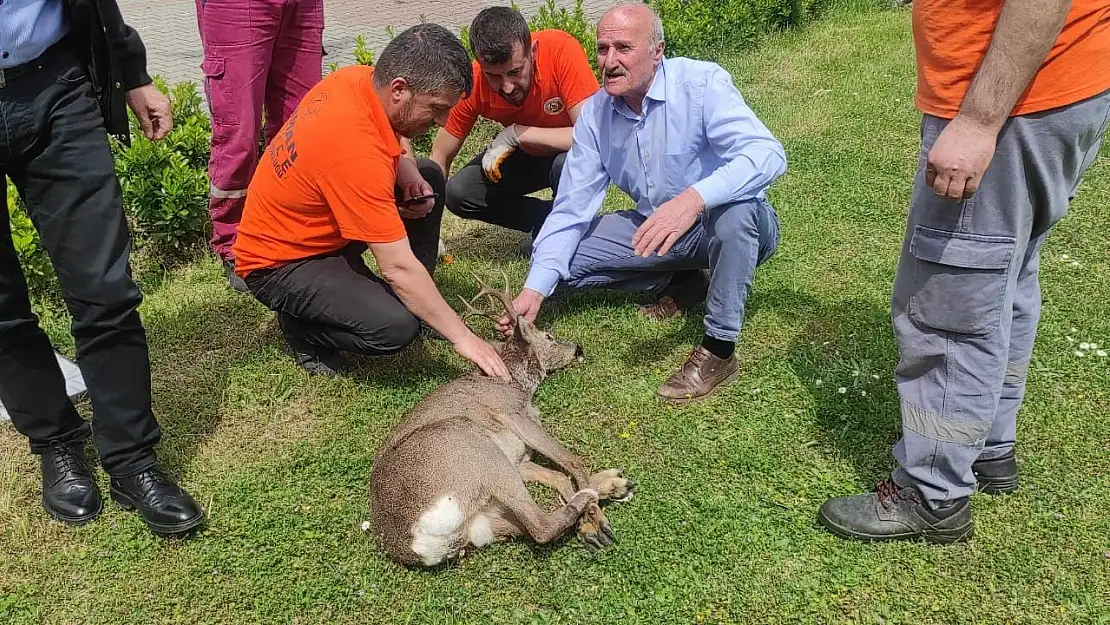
column 542, row 280
column 713, row 192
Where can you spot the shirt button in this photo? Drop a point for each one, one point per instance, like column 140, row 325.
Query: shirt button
column 5, row 55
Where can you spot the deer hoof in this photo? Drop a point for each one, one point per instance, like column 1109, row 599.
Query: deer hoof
column 611, row 486
column 594, row 529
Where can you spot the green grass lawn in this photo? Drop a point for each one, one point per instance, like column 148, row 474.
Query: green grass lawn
column 723, row 525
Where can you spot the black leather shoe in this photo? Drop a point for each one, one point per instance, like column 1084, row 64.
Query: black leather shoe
column 165, row 506
column 997, row 476
column 892, row 512
column 68, row 491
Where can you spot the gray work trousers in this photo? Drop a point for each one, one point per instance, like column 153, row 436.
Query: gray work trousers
column 967, row 299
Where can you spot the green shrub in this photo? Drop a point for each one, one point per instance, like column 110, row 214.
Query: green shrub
column 710, row 29
column 165, row 183
column 573, row 22
column 32, row 256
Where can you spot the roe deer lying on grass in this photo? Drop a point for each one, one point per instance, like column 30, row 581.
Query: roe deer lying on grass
column 451, row 475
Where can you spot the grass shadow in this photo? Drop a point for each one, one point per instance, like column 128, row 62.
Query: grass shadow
column 193, row 348
column 845, row 356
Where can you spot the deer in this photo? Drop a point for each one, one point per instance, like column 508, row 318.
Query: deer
column 451, row 476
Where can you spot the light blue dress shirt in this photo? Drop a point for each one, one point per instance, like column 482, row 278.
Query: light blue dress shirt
column 28, row 28
column 695, row 130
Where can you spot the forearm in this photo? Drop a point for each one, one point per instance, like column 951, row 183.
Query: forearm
column 444, row 150
column 744, row 177
column 1024, row 35
column 416, row 290
column 544, row 141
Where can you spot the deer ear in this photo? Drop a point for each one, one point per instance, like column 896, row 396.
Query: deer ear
column 520, row 327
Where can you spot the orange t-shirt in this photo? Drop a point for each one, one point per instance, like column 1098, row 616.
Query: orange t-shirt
column 952, row 38
column 562, row 78
column 327, row 178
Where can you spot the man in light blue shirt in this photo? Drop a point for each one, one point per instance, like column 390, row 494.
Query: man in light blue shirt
column 28, row 28
column 678, row 138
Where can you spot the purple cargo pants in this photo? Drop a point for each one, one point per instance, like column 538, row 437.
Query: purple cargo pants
column 258, row 55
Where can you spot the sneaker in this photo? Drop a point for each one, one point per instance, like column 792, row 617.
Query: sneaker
column 895, row 512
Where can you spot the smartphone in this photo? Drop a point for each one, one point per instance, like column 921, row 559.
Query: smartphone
column 420, row 198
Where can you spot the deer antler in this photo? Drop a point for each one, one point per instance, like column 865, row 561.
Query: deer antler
column 487, row 291
column 503, row 296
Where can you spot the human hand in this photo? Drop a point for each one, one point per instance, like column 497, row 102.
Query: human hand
column 499, row 149
column 152, row 108
column 527, row 303
column 959, row 158
column 668, row 223
column 482, row 354
column 416, row 210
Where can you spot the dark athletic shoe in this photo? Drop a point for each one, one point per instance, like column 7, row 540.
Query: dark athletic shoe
column 997, row 476
column 892, row 512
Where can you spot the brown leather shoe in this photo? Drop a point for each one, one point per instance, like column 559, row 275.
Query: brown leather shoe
column 699, row 376
column 678, row 298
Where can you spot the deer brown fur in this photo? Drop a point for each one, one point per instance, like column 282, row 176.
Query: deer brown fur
column 451, row 476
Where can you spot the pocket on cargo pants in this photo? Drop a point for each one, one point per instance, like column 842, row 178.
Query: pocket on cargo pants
column 959, row 280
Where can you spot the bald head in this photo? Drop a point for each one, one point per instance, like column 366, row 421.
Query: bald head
column 629, row 49
column 638, row 14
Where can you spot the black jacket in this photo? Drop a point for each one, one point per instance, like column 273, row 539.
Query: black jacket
column 114, row 54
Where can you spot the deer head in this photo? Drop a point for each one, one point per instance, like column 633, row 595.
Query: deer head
column 529, row 353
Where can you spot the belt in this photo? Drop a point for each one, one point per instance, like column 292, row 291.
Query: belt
column 9, row 75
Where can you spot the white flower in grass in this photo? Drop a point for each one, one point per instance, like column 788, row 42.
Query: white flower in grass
column 819, row 383
column 1094, row 345
column 842, row 390
column 1084, row 346
column 863, row 393
column 365, row 526
column 1075, row 263
column 1065, row 257
column 1071, row 339
column 1101, row 353
column 1080, row 354
column 1073, row 330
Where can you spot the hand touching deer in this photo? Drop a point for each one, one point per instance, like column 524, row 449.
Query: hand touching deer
column 451, row 476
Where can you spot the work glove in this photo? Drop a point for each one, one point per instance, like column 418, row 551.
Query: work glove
column 499, row 149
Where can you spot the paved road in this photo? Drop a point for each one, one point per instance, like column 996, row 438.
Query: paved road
column 169, row 27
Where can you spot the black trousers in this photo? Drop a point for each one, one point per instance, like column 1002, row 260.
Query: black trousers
column 55, row 149
column 335, row 302
column 471, row 195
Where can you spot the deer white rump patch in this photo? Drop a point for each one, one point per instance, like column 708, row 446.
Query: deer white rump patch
column 479, row 531
column 439, row 531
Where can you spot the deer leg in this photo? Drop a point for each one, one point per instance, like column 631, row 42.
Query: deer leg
column 559, row 482
column 533, row 435
column 593, row 527
column 543, row 527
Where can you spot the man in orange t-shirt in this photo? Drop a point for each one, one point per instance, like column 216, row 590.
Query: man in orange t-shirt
column 533, row 84
column 1016, row 100
column 335, row 181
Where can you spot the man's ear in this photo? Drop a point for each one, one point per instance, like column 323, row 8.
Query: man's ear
column 398, row 87
column 535, row 47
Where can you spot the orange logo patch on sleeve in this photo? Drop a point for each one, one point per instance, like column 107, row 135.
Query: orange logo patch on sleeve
column 554, row 106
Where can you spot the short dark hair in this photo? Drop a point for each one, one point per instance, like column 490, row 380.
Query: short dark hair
column 494, row 31
column 429, row 57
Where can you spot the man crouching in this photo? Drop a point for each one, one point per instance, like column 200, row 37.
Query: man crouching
column 335, row 181
column 676, row 136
